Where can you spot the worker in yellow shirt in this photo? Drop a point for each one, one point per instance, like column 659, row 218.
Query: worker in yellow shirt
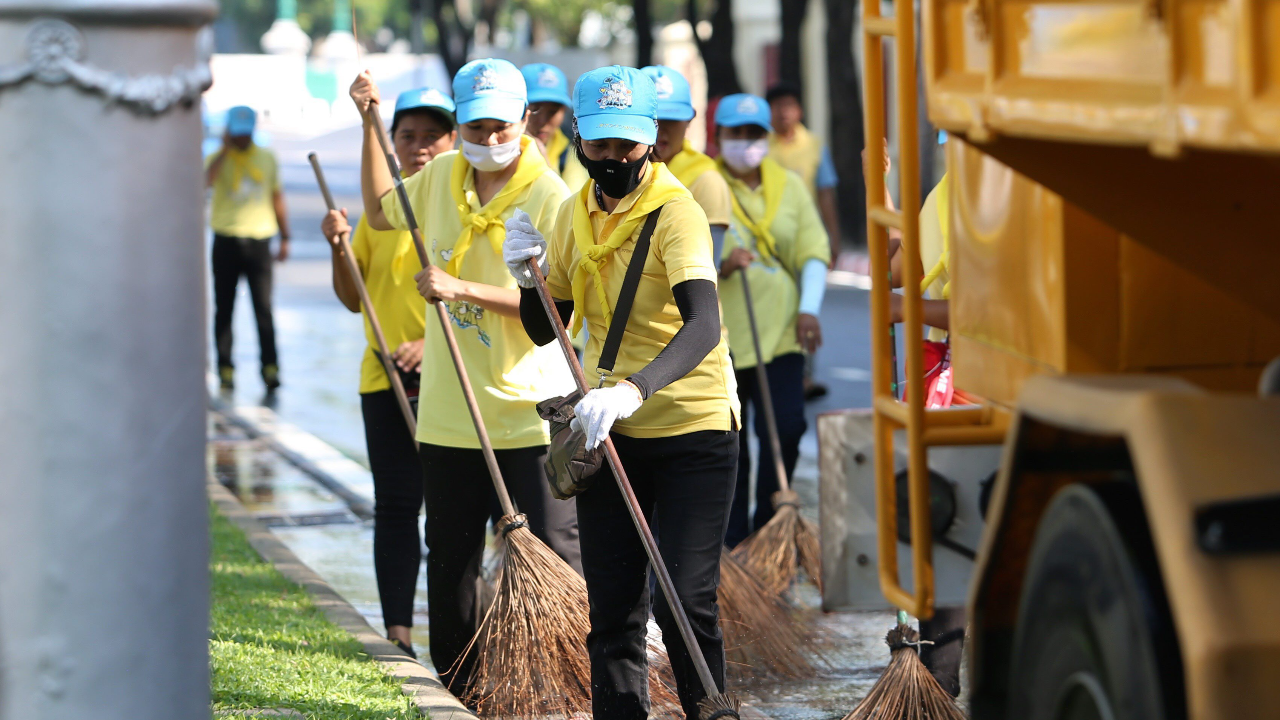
column 778, row 240
column 668, row 401
column 461, row 200
column 421, row 129
column 793, row 147
column 548, row 103
column 247, row 211
column 693, row 169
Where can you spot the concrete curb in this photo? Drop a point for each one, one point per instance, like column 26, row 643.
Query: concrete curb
column 417, row 681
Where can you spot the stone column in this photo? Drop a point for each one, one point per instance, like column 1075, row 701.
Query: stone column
column 104, row 593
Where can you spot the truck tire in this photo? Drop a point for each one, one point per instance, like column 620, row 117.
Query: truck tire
column 1094, row 640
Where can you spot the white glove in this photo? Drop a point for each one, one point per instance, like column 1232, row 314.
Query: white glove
column 523, row 243
column 602, row 407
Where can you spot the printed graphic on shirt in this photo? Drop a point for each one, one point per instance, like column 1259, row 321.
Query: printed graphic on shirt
column 465, row 315
column 614, row 94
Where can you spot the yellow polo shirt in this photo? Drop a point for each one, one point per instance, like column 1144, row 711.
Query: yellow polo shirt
column 775, row 292
column 387, row 263
column 242, row 194
column 802, row 154
column 712, row 194
column 562, row 158
column 680, row 249
column 509, row 374
column 933, row 244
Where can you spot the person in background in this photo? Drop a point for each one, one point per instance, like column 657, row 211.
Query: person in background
column 461, row 200
column 248, row 210
column 694, row 170
column 793, row 147
column 421, row 129
column 670, row 405
column 548, row 103
column 776, row 238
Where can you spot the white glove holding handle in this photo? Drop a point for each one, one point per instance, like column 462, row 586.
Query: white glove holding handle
column 523, row 243
column 601, row 408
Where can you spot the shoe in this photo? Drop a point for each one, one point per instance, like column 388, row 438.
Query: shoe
column 408, row 649
column 814, row 390
column 227, row 377
column 271, row 376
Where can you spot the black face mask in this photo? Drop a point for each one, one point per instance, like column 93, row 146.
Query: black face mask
column 615, row 179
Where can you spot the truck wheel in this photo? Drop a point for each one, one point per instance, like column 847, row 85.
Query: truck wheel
column 1094, row 640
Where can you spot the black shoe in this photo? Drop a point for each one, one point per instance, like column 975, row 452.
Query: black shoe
column 408, row 649
column 814, row 390
column 271, row 376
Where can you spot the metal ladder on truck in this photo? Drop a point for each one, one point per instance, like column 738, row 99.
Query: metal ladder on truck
column 968, row 425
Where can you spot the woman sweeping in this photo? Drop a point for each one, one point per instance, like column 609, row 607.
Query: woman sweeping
column 693, row 169
column 421, row 128
column 669, row 403
column 776, row 238
column 461, row 200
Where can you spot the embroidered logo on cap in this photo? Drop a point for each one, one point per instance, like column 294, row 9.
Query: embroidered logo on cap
column 615, row 94
column 664, row 86
column 432, row 97
column 547, row 78
column 485, row 79
column 748, row 106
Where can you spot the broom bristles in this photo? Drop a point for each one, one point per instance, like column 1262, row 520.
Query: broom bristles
column 716, row 707
column 531, row 647
column 762, row 638
column 787, row 542
column 906, row 690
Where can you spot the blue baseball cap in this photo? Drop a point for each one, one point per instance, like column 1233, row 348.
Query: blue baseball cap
column 616, row 102
column 241, row 120
column 425, row 97
column 674, row 100
column 743, row 109
column 546, row 83
column 489, row 89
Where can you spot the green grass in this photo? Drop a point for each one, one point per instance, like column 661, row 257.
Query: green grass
column 270, row 647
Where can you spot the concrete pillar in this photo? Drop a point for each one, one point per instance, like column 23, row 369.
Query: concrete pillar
column 104, row 588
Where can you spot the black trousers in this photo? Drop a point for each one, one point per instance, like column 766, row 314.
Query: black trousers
column 946, row 631
column 684, row 484
column 397, row 498
column 233, row 257
column 786, row 386
column 460, row 501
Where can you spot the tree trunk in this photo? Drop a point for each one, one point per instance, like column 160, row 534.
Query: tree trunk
column 489, row 15
column 716, row 51
column 789, row 60
column 454, row 35
column 847, row 138
column 644, row 33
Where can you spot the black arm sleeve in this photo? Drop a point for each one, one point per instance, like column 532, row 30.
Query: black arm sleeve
column 534, row 317
column 700, row 310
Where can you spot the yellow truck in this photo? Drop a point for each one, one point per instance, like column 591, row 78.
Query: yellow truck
column 1114, row 252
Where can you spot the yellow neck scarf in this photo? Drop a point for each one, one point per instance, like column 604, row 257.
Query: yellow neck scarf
column 944, row 224
column 558, row 146
column 489, row 219
column 242, row 164
column 773, row 180
column 617, row 230
column 689, row 164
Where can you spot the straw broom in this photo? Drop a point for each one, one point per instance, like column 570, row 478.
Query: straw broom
column 789, row 540
column 716, row 705
column 762, row 638
column 906, row 690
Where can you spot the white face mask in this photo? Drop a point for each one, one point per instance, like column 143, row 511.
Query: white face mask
column 491, row 158
column 744, row 155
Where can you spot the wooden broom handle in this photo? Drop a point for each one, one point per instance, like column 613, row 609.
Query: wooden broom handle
column 766, row 398
column 491, row 460
column 353, row 270
column 624, row 484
